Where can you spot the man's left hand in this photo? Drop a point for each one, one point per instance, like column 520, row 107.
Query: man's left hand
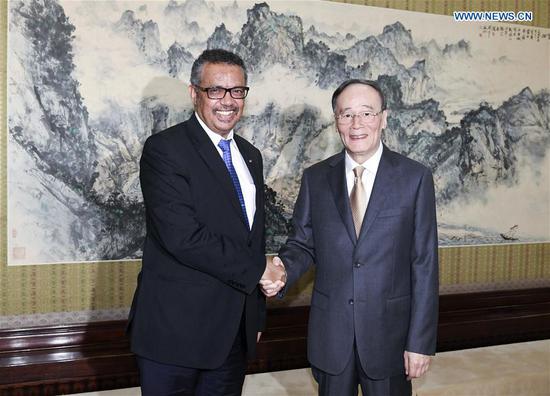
column 416, row 364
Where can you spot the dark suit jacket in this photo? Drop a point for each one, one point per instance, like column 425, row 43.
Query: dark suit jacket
column 381, row 288
column 201, row 264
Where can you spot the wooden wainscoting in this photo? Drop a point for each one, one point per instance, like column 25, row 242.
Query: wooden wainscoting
column 96, row 356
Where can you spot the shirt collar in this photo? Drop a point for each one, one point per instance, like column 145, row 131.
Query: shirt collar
column 371, row 165
column 215, row 137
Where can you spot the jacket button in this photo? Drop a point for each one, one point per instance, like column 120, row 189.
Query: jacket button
column 357, row 264
column 350, row 301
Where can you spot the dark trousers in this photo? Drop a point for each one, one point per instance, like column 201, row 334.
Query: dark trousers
column 347, row 382
column 158, row 379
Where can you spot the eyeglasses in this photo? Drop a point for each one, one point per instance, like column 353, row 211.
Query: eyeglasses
column 364, row 117
column 220, row 92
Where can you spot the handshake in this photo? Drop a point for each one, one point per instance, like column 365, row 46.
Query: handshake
column 274, row 277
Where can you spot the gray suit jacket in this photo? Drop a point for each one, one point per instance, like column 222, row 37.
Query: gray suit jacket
column 380, row 288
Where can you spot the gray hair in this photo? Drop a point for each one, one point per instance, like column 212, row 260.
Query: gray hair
column 215, row 56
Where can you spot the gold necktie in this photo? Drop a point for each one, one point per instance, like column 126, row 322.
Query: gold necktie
column 358, row 199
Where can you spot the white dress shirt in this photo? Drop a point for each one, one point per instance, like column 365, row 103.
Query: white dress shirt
column 248, row 187
column 369, row 174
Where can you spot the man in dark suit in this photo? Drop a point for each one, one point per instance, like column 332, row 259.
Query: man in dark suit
column 366, row 218
column 197, row 310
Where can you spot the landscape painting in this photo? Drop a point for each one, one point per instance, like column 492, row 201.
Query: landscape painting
column 88, row 82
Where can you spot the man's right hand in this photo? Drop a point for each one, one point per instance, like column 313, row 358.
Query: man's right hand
column 274, row 277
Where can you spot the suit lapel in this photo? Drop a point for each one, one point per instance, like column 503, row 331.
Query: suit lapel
column 385, row 176
column 213, row 160
column 338, row 185
column 256, row 171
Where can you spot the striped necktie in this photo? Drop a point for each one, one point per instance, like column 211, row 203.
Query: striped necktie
column 225, row 146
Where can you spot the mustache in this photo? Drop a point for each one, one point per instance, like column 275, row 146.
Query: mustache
column 226, row 108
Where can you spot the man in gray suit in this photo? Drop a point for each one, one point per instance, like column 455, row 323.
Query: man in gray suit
column 366, row 218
